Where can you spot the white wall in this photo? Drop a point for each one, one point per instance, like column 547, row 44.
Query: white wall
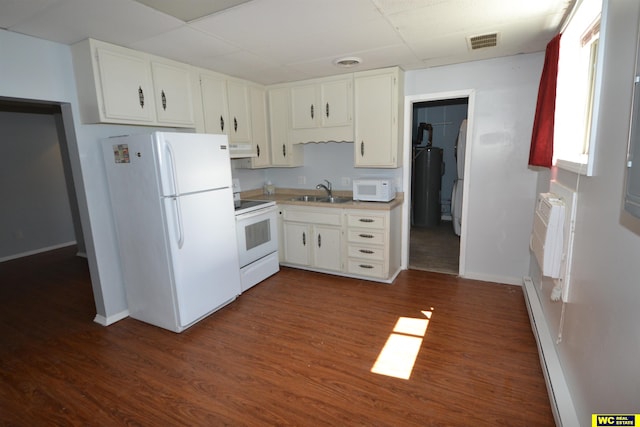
column 32, row 68
column 33, row 186
column 502, row 189
column 600, row 341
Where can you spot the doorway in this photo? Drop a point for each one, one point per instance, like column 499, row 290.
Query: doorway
column 45, row 206
column 437, row 169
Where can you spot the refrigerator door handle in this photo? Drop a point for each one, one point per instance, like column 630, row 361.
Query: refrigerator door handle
column 172, row 167
column 176, row 201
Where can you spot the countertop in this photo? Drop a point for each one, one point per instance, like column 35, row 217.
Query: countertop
column 284, row 196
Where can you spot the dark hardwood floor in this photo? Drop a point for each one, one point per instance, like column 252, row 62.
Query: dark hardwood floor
column 295, row 350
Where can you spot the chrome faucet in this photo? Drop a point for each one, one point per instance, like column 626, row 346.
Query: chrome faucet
column 326, row 187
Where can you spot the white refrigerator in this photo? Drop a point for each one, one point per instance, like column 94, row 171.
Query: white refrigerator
column 172, row 205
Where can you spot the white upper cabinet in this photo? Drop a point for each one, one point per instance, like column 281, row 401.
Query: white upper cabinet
column 126, row 87
column 337, row 102
column 378, row 114
column 322, row 110
column 119, row 85
column 283, row 152
column 172, row 84
column 304, row 107
column 259, row 130
column 238, row 109
column 214, row 103
column 239, row 117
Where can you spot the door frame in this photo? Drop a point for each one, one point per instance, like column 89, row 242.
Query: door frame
column 407, row 170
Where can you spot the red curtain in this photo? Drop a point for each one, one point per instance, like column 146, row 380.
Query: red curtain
column 541, row 151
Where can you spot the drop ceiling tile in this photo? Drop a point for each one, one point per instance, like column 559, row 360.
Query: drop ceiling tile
column 184, row 44
column 116, row 21
column 188, row 10
column 368, row 35
column 261, row 24
column 15, row 12
column 239, row 64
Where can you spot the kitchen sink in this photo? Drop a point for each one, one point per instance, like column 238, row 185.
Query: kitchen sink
column 336, row 199
column 321, row 199
column 308, row 198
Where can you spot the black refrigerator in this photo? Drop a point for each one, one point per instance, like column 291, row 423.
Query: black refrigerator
column 428, row 169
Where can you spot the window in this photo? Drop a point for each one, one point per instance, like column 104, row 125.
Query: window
column 578, row 89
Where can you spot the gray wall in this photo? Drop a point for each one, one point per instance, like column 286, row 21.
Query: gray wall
column 32, row 184
column 500, row 189
column 600, row 340
column 323, row 160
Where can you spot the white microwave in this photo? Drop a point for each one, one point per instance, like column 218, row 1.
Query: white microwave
column 373, row 190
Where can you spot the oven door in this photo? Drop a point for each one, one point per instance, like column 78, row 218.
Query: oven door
column 257, row 234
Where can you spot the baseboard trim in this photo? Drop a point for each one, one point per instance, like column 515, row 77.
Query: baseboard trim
column 37, row 251
column 564, row 411
column 106, row 321
column 505, row 280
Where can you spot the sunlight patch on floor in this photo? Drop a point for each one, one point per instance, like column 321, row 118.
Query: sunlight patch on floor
column 398, row 356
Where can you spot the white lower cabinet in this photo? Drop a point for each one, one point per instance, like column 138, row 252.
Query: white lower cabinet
column 352, row 242
column 312, row 237
column 368, row 243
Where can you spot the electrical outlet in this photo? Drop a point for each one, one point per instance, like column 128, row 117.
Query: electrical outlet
column 302, row 179
column 346, row 181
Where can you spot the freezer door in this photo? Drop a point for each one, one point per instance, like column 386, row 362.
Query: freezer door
column 189, row 162
column 204, row 253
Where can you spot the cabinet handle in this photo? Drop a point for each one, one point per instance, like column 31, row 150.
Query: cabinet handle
column 366, row 236
column 362, row 148
column 284, row 150
column 221, row 124
column 235, row 125
column 312, row 111
column 304, row 239
column 258, row 150
column 327, row 110
column 366, row 266
column 319, row 240
column 141, row 96
column 164, row 100
column 366, row 220
column 366, row 251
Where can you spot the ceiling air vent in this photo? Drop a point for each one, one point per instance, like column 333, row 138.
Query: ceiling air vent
column 482, row 41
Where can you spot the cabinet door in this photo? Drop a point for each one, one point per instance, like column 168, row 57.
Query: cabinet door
column 279, row 120
column 327, row 248
column 297, row 242
column 304, row 108
column 260, row 147
column 336, row 106
column 239, row 118
column 214, row 104
column 174, row 99
column 127, row 89
column 376, row 120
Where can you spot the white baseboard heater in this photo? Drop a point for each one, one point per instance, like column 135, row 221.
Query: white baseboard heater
column 562, row 407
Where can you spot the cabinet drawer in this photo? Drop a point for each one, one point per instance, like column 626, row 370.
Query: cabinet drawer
column 329, row 217
column 365, row 268
column 365, row 252
column 366, row 236
column 366, row 221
